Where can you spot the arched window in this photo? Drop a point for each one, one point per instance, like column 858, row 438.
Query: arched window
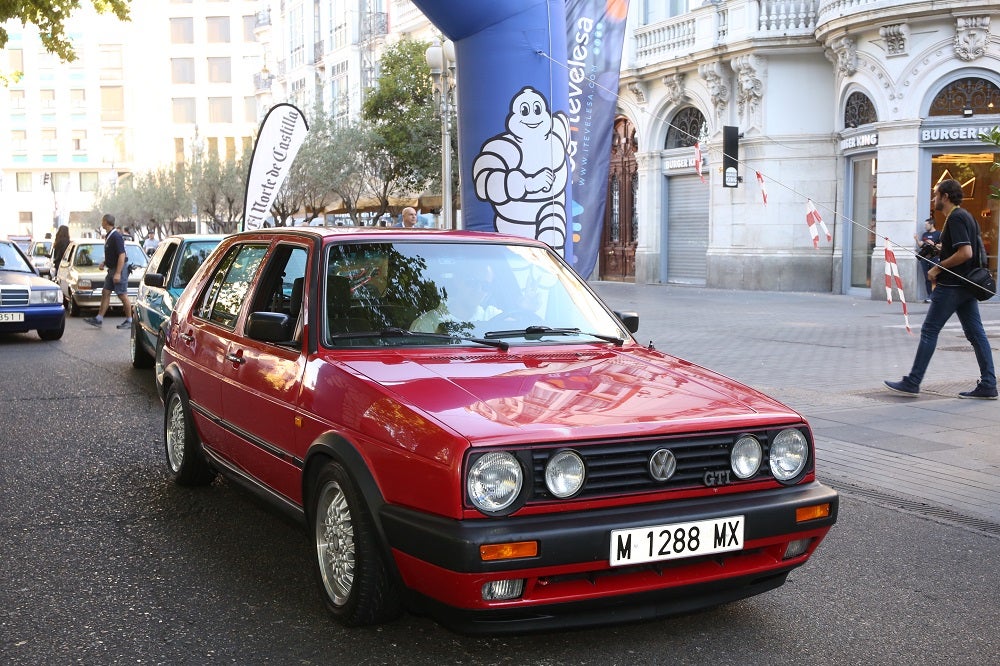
column 859, row 110
column 687, row 128
column 963, row 96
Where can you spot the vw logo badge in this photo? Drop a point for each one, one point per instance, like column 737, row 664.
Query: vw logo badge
column 662, row 464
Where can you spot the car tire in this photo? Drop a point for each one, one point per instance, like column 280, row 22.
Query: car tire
column 140, row 357
column 352, row 573
column 74, row 309
column 52, row 333
column 185, row 459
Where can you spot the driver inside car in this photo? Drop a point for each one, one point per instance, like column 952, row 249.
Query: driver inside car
column 464, row 299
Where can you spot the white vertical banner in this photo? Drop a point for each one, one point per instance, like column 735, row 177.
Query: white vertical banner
column 281, row 135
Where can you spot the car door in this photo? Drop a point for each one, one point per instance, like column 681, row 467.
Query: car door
column 62, row 271
column 204, row 337
column 262, row 379
column 154, row 303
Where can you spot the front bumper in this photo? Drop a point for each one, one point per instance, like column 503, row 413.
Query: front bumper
column 91, row 298
column 36, row 318
column 571, row 582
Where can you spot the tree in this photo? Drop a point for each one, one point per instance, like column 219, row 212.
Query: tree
column 49, row 16
column 406, row 149
column 993, row 137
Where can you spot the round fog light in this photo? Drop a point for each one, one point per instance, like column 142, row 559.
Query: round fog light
column 746, row 456
column 564, row 474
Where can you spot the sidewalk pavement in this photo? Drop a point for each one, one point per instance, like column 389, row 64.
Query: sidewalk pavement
column 826, row 356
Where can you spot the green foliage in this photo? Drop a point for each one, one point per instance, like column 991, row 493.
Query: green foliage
column 992, row 137
column 400, row 111
column 49, row 16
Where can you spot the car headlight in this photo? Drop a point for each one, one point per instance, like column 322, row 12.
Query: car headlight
column 44, row 296
column 564, row 474
column 789, row 454
column 494, row 481
column 746, row 456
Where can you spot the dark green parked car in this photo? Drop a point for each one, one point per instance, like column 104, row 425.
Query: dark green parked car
column 171, row 267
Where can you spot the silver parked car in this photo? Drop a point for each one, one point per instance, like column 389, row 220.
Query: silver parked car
column 81, row 279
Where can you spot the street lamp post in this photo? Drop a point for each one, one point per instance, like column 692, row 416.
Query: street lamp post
column 441, row 59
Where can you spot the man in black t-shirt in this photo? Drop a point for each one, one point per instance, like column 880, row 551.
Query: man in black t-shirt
column 951, row 295
column 116, row 280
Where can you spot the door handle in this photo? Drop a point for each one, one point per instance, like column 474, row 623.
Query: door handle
column 235, row 358
column 187, row 337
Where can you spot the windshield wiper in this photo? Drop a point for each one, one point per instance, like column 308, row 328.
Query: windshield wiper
column 536, row 332
column 393, row 332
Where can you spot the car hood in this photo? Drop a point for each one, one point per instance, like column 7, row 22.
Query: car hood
column 494, row 396
column 21, row 279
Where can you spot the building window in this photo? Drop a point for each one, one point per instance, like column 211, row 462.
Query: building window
column 16, row 99
column 182, row 70
column 217, row 29
column 88, row 181
column 212, row 147
column 19, row 140
column 112, row 103
column 250, row 109
column 230, row 149
column 23, row 181
column 111, row 62
column 249, row 22
column 60, row 181
column 49, row 138
column 178, row 151
column 182, row 30
column 220, row 70
column 78, row 99
column 859, row 111
column 220, row 109
column 114, row 148
column 79, row 140
column 964, row 96
column 184, row 109
column 15, row 60
column 687, row 128
column 296, row 37
column 47, row 98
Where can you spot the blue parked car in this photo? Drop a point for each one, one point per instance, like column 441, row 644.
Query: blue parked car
column 28, row 302
column 171, row 267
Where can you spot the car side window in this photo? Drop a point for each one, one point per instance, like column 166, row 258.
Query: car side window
column 191, row 258
column 229, row 284
column 281, row 284
column 163, row 259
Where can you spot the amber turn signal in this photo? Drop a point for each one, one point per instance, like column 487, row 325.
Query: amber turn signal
column 805, row 513
column 508, row 551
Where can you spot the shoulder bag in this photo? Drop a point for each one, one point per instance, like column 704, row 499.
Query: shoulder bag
column 981, row 281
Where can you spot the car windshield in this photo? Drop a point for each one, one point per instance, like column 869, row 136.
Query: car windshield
column 91, row 255
column 41, row 249
column 458, row 293
column 12, row 260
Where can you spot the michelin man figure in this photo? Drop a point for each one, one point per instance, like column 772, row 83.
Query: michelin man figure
column 523, row 172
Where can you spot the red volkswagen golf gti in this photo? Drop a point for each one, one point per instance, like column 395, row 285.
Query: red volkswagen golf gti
column 467, row 430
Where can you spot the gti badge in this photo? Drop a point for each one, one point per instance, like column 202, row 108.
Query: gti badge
column 662, row 464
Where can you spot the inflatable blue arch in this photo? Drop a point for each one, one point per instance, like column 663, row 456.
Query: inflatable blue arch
column 537, row 89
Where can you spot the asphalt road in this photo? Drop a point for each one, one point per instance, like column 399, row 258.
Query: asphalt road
column 104, row 561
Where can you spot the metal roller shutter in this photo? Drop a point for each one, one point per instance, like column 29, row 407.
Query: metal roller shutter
column 687, row 230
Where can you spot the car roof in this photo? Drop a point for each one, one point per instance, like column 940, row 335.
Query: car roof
column 196, row 237
column 387, row 234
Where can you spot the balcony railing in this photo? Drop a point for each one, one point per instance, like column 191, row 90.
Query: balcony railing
column 713, row 25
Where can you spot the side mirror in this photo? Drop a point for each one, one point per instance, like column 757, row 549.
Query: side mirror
column 630, row 319
column 153, row 280
column 269, row 327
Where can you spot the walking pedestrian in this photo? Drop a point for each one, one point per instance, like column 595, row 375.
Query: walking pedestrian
column 951, row 295
column 928, row 249
column 116, row 279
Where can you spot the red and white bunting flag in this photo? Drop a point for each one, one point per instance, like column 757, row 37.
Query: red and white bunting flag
column 813, row 219
column 892, row 275
column 763, row 190
column 697, row 160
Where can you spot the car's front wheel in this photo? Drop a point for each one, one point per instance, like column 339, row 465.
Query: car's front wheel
column 140, row 357
column 52, row 333
column 353, row 575
column 185, row 459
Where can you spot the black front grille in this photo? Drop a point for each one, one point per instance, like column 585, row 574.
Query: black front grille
column 622, row 466
column 13, row 297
